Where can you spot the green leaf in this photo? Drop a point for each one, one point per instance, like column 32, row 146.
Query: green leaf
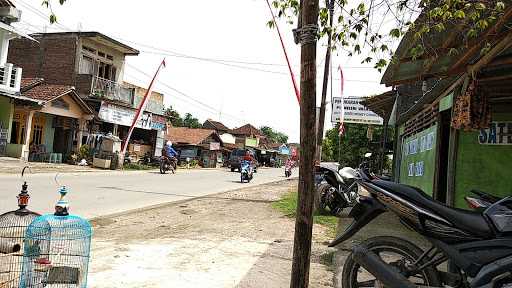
column 453, row 52
column 500, row 6
column 472, row 33
column 353, row 35
column 480, row 6
column 53, row 18
column 270, row 24
column 395, row 33
column 439, row 27
column 459, row 14
column 384, row 47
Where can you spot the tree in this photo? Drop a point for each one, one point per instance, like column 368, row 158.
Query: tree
column 176, row 119
column 191, row 122
column 372, row 28
column 354, row 144
column 274, row 136
column 48, row 5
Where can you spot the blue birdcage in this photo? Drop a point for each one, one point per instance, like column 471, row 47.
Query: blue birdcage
column 56, row 251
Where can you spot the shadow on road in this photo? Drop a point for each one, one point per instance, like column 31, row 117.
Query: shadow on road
column 188, row 196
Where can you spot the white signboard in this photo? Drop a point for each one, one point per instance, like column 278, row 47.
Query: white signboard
column 355, row 112
column 123, row 116
column 337, row 109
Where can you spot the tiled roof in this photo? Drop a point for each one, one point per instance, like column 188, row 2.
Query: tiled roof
column 27, row 83
column 247, row 130
column 47, row 92
column 218, row 125
column 184, row 135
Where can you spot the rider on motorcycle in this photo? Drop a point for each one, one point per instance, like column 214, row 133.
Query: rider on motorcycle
column 168, row 152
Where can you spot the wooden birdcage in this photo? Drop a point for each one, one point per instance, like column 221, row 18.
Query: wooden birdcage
column 13, row 226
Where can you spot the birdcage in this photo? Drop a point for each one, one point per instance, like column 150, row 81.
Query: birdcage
column 13, row 226
column 56, row 251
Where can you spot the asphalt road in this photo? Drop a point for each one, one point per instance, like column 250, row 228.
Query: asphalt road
column 96, row 194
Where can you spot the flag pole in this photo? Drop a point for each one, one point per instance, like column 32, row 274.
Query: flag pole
column 140, row 109
column 341, row 129
column 292, row 75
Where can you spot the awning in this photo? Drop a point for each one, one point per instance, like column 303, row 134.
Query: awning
column 15, row 31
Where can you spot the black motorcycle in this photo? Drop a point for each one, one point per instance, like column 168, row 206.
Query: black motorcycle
column 478, row 245
column 336, row 190
column 168, row 165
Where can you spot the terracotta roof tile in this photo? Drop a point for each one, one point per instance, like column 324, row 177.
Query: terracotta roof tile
column 184, row 135
column 27, row 83
column 218, row 125
column 47, row 92
column 247, row 130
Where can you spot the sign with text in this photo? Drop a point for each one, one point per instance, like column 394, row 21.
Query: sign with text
column 499, row 133
column 214, row 146
column 337, row 110
column 355, row 112
column 123, row 116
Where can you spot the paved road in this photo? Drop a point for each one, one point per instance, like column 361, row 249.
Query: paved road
column 103, row 193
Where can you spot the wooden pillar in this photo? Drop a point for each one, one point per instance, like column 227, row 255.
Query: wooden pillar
column 25, row 150
column 452, row 166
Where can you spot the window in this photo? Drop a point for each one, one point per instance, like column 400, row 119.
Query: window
column 87, row 65
column 88, row 49
column 37, row 136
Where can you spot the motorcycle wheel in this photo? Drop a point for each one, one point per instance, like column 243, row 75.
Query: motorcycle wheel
column 394, row 251
column 241, row 178
column 326, row 203
column 173, row 167
column 162, row 168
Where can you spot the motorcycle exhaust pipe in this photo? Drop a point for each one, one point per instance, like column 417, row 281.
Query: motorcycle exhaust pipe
column 385, row 273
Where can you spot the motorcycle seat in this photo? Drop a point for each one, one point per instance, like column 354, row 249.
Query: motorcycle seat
column 470, row 221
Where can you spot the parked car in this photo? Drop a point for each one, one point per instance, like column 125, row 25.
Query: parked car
column 235, row 159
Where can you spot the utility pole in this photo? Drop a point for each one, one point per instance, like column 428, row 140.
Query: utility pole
column 321, row 119
column 308, row 33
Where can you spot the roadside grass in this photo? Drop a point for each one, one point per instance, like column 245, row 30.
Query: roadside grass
column 288, row 206
column 136, row 166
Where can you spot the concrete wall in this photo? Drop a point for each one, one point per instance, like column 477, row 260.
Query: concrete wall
column 6, row 111
column 484, row 167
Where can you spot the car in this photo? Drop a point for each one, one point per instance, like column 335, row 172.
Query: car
column 236, row 157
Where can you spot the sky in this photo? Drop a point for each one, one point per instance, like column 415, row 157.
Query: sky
column 223, row 62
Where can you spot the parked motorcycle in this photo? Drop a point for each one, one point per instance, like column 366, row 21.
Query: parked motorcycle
column 336, row 190
column 478, row 245
column 168, row 165
column 480, row 200
column 246, row 171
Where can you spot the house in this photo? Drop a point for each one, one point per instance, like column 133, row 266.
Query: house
column 452, row 114
column 48, row 121
column 10, row 78
column 227, row 138
column 94, row 63
column 247, row 136
column 203, row 145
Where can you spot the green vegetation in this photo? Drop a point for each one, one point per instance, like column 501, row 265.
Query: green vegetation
column 288, row 206
column 136, row 166
column 178, row 121
column 277, row 137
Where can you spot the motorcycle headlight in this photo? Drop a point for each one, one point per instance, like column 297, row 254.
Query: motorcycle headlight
column 362, row 191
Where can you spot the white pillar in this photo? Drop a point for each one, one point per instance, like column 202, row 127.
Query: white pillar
column 81, row 129
column 4, row 46
column 25, row 150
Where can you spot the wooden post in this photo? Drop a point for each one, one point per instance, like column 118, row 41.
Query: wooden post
column 327, row 67
column 304, row 219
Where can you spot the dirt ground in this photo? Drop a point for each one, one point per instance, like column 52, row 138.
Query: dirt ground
column 234, row 239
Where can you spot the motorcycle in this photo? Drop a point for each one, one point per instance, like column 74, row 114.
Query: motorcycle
column 480, row 200
column 246, row 172
column 288, row 169
column 477, row 245
column 168, row 165
column 336, row 190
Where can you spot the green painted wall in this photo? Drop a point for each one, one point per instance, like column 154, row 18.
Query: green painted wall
column 49, row 133
column 5, row 113
column 484, row 167
column 417, row 167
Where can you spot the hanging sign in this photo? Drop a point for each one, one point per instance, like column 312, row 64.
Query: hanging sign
column 355, row 112
column 499, row 133
column 123, row 116
column 214, row 146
